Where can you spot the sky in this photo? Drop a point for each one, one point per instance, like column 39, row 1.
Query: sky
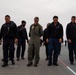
column 45, row 9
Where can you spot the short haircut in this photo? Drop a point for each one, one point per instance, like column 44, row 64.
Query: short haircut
column 36, row 18
column 55, row 17
column 73, row 17
column 23, row 21
column 7, row 16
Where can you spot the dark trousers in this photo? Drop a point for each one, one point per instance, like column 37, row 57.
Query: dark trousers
column 33, row 54
column 75, row 53
column 72, row 50
column 6, row 45
column 60, row 49
column 46, row 47
column 53, row 49
column 21, row 43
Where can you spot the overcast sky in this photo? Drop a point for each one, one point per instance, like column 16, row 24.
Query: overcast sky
column 44, row 9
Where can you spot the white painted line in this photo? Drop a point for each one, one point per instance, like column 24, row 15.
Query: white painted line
column 71, row 70
column 67, row 67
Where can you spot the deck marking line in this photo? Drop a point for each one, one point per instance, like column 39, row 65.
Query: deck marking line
column 67, row 67
column 71, row 70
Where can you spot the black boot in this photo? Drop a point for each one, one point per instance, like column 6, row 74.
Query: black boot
column 4, row 65
column 46, row 59
column 13, row 62
column 56, row 64
column 2, row 60
column 35, row 64
column 18, row 59
column 22, row 58
column 49, row 64
column 29, row 64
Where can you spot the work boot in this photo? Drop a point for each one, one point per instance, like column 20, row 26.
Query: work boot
column 29, row 64
column 4, row 65
column 55, row 64
column 13, row 62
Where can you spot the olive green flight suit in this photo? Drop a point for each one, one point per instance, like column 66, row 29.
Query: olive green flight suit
column 36, row 31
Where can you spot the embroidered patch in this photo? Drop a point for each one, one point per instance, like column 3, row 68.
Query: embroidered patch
column 32, row 27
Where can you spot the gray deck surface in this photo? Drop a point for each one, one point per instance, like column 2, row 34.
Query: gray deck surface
column 20, row 68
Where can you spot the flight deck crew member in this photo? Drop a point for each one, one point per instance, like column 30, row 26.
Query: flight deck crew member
column 9, row 35
column 71, row 37
column 22, row 37
column 36, row 31
column 44, row 41
column 54, row 40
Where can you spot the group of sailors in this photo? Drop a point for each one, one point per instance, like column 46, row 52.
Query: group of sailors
column 52, row 39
